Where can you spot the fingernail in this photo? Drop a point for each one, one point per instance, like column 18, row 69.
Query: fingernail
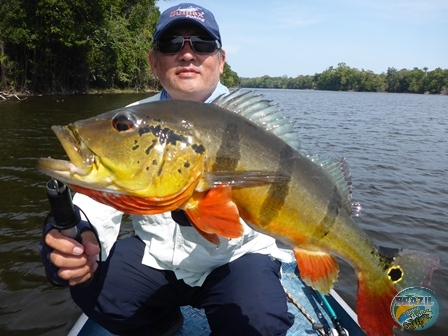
column 78, row 250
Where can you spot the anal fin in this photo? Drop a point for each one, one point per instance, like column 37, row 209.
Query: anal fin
column 317, row 269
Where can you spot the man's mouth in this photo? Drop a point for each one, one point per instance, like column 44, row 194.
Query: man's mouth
column 187, row 71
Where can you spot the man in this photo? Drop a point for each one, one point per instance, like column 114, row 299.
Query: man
column 144, row 279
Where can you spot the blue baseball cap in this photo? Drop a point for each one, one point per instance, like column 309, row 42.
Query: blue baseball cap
column 187, row 13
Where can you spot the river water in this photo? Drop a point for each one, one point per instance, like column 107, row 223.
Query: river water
column 396, row 146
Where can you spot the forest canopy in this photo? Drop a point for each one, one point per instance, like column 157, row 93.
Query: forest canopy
column 59, row 46
column 345, row 78
column 77, row 46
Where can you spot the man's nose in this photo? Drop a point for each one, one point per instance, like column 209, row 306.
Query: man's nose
column 187, row 52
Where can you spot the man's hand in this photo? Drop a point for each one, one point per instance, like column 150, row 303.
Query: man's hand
column 76, row 262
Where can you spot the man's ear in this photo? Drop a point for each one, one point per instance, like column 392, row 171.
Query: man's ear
column 222, row 61
column 152, row 61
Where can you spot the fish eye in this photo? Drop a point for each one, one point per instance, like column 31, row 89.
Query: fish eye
column 124, row 121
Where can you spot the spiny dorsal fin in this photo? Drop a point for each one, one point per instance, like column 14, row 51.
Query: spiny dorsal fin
column 267, row 115
column 261, row 112
column 337, row 170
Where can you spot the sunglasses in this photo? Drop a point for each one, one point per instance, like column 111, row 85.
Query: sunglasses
column 173, row 45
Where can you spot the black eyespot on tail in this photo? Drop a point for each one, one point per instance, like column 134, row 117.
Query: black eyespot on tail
column 395, row 274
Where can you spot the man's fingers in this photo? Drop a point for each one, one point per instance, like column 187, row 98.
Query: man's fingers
column 69, row 246
column 63, row 244
column 59, row 259
column 79, row 275
column 90, row 243
column 76, row 262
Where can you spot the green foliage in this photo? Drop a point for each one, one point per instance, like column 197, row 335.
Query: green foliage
column 229, row 77
column 119, row 50
column 66, row 46
column 344, row 78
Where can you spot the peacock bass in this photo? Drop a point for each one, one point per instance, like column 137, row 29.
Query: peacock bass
column 238, row 157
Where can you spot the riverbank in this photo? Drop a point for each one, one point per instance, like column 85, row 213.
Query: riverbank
column 6, row 96
column 23, row 95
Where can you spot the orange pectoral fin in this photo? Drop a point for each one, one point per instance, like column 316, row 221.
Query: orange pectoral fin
column 317, row 269
column 214, row 212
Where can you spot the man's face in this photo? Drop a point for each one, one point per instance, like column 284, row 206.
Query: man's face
column 187, row 74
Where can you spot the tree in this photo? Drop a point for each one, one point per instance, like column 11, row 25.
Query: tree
column 346, row 77
column 327, row 80
column 229, row 77
column 436, row 81
column 60, row 46
column 393, row 82
column 415, row 77
column 14, row 32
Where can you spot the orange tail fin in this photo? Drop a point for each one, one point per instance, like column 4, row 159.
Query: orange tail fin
column 373, row 306
column 317, row 269
column 377, row 288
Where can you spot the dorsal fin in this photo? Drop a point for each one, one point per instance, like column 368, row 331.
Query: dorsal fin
column 261, row 112
column 337, row 170
column 267, row 115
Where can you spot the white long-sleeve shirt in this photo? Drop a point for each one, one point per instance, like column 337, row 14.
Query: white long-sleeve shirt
column 174, row 247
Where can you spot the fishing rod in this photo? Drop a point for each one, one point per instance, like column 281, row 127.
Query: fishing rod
column 64, row 215
column 331, row 313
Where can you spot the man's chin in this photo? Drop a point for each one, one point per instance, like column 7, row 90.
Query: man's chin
column 190, row 91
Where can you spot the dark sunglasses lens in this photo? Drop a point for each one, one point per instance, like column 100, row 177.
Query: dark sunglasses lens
column 175, row 44
column 203, row 46
column 171, row 46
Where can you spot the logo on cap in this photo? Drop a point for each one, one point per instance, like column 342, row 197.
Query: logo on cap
column 189, row 12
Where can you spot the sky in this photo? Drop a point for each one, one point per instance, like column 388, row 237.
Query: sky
column 304, row 37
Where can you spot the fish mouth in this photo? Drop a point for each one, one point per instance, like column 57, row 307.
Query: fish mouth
column 81, row 157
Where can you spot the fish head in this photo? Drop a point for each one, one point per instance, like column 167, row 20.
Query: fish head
column 128, row 152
